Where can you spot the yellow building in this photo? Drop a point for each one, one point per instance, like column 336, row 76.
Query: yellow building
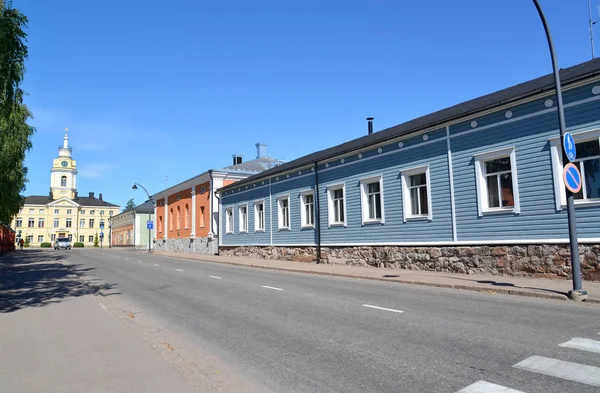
column 63, row 213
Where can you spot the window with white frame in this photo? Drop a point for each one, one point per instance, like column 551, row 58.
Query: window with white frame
column 283, row 216
column 40, row 238
column 416, row 193
column 243, row 213
column 259, row 216
column 229, row 220
column 587, row 145
column 307, row 209
column 53, row 237
column 372, row 200
column 336, row 204
column 497, row 185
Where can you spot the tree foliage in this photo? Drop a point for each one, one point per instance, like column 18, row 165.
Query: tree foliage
column 130, row 205
column 15, row 133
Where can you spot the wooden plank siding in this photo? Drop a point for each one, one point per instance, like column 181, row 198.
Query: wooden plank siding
column 528, row 128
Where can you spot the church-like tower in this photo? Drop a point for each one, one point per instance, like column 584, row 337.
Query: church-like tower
column 63, row 175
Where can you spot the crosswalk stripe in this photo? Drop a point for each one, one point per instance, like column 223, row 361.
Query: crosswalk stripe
column 585, row 344
column 487, row 387
column 561, row 369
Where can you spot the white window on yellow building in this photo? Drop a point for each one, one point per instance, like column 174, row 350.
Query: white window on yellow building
column 56, row 223
column 92, row 212
column 19, row 222
column 31, row 211
column 31, row 223
column 40, row 238
column 56, row 211
column 68, row 223
column 41, row 211
column 70, row 237
column 91, row 223
column 29, row 239
column 40, row 223
column 81, row 238
column 82, row 223
column 69, row 211
column 53, row 237
column 82, row 212
column 91, row 238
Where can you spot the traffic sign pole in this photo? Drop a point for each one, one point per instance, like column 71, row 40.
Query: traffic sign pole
column 577, row 293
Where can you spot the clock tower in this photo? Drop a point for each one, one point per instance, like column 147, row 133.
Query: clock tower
column 63, row 175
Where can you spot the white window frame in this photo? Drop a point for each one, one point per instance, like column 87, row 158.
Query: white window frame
column 303, row 224
column 229, row 226
column 330, row 211
column 482, row 200
column 364, row 200
column 256, row 218
column 240, row 221
column 560, row 195
column 280, row 226
column 406, row 202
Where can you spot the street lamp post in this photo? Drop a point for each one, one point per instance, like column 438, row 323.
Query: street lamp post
column 149, row 216
column 577, row 293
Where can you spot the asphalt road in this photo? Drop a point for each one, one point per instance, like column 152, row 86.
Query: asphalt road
column 296, row 332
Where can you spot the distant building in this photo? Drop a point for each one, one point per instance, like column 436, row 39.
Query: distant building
column 476, row 187
column 187, row 213
column 130, row 229
column 63, row 213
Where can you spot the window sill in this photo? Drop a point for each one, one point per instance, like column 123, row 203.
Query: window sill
column 419, row 218
column 242, row 232
column 337, row 224
column 259, row 230
column 491, row 212
column 583, row 203
column 229, row 233
column 371, row 222
column 283, row 229
column 308, row 226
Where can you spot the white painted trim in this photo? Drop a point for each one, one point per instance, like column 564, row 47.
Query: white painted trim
column 301, row 196
column 240, row 206
column 479, row 159
column 363, row 200
column 218, row 226
column 256, row 220
column 229, row 227
column 270, row 212
column 406, row 202
column 271, row 245
column 193, row 230
column 451, row 177
column 330, row 213
column 166, row 223
column 280, row 226
column 236, row 192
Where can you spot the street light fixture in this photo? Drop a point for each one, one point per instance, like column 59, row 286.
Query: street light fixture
column 135, row 187
column 577, row 293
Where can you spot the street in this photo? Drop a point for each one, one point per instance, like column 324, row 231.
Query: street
column 302, row 333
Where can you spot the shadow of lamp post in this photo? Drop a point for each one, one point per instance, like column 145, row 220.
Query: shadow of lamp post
column 149, row 224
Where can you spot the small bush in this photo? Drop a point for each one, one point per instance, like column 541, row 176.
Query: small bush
column 78, row 244
column 46, row 245
column 26, row 244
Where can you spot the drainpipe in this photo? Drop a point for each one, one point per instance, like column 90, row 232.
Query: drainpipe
column 211, row 193
column 318, row 214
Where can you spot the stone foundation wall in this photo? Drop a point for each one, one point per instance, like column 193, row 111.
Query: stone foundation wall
column 199, row 245
column 552, row 261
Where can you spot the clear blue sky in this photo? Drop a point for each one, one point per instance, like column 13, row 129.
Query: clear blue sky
column 153, row 88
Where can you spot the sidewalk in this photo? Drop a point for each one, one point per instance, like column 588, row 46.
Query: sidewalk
column 56, row 336
column 533, row 287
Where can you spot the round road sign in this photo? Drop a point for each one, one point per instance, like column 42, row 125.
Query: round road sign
column 572, row 178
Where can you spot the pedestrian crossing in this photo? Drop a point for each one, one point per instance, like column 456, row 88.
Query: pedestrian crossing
column 556, row 368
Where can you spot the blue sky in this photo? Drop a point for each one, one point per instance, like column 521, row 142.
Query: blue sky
column 153, row 89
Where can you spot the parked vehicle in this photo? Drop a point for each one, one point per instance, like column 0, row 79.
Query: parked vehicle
column 62, row 242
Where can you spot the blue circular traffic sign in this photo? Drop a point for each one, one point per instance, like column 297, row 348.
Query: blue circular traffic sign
column 569, row 145
column 572, row 178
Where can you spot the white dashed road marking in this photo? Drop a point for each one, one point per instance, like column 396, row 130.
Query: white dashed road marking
column 179, row 270
column 486, row 387
column 156, row 264
column 382, row 308
column 217, row 277
column 585, row 344
column 561, row 369
column 268, row 287
column 140, row 261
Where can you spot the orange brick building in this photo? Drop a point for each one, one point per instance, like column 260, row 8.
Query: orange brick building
column 187, row 213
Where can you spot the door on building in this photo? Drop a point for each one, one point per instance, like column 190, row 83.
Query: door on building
column 62, row 234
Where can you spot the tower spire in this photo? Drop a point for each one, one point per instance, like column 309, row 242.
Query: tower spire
column 66, row 139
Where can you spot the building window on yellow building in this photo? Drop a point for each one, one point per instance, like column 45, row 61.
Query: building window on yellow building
column 19, row 222
column 68, row 223
column 29, row 239
column 70, row 237
column 40, row 223
column 40, row 238
column 82, row 212
column 42, row 211
column 91, row 238
column 81, row 238
column 31, row 211
column 82, row 223
column 63, row 181
column 69, row 211
column 92, row 212
column 56, row 223
column 31, row 223
column 53, row 237
column 91, row 222
column 56, row 211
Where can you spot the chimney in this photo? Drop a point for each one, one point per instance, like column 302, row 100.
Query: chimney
column 370, row 120
column 237, row 159
column 261, row 150
column 100, row 196
column 91, row 195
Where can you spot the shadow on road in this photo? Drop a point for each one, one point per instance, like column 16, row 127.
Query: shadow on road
column 510, row 285
column 35, row 278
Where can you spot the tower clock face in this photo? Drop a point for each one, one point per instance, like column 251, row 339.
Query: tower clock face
column 64, row 163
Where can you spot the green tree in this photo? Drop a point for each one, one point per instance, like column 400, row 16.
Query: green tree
column 15, row 133
column 96, row 241
column 130, row 205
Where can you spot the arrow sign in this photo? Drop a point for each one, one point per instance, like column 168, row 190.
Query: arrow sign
column 569, row 145
column 572, row 178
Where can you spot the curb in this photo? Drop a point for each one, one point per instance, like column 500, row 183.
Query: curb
column 503, row 291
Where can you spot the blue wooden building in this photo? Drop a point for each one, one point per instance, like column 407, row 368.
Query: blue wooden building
column 476, row 187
